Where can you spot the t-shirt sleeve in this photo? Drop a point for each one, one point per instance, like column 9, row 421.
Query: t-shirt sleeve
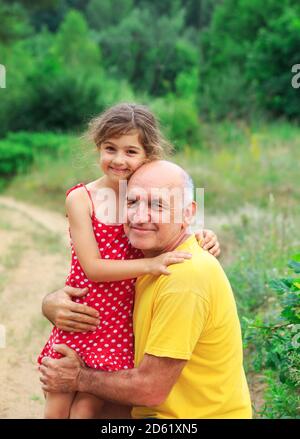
column 177, row 323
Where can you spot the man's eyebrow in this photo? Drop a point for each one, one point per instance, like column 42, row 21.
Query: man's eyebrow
column 160, row 200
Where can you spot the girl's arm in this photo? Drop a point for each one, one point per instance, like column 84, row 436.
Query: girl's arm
column 86, row 248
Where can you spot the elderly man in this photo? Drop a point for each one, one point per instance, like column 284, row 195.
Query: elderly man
column 188, row 347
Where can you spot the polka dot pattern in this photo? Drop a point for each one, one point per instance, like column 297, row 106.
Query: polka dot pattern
column 111, row 346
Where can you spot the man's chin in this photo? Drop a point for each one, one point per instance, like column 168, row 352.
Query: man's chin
column 140, row 242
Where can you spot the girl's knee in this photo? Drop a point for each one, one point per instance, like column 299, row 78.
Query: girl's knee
column 56, row 413
column 58, row 405
column 86, row 408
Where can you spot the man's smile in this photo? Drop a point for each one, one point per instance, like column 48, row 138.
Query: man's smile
column 140, row 229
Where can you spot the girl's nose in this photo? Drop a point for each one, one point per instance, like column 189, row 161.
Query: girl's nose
column 119, row 160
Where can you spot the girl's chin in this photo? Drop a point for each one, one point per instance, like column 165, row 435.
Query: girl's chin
column 121, row 175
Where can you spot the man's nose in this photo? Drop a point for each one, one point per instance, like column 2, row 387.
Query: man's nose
column 141, row 215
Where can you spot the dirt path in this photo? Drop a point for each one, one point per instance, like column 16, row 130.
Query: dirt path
column 34, row 259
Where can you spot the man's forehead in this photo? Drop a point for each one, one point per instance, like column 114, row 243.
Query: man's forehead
column 165, row 194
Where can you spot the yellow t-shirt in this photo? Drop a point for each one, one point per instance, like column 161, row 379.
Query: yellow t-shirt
column 191, row 314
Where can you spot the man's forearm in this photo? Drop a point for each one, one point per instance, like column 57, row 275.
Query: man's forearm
column 45, row 307
column 124, row 386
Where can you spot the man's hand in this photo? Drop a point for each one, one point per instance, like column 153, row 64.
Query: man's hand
column 61, row 375
column 209, row 241
column 67, row 315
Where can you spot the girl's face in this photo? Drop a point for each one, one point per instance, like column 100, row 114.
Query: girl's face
column 121, row 156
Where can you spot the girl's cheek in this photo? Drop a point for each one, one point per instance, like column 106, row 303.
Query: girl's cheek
column 140, row 162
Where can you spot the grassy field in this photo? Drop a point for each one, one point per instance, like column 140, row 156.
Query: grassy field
column 252, row 200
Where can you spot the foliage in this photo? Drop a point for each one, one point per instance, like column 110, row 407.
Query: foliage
column 19, row 151
column 14, row 23
column 277, row 47
column 69, row 60
column 277, row 347
column 248, row 56
column 56, row 81
column 179, row 119
column 149, row 50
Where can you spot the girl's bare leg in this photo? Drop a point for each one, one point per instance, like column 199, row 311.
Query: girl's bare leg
column 58, row 405
column 86, row 406
column 112, row 410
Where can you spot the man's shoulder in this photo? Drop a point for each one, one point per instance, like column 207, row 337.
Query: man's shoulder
column 195, row 274
column 201, row 264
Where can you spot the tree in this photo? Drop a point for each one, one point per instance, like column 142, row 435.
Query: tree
column 14, row 23
column 149, row 51
column 273, row 54
column 104, row 13
column 229, row 47
column 74, row 46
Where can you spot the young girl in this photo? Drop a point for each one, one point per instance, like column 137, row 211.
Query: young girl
column 103, row 260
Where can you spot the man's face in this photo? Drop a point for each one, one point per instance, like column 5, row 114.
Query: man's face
column 156, row 217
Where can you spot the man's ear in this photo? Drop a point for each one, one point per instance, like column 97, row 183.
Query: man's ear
column 190, row 212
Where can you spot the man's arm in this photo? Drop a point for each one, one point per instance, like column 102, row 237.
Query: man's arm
column 59, row 309
column 148, row 385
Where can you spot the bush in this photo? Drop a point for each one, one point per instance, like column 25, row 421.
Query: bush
column 179, row 119
column 247, row 59
column 20, row 150
column 14, row 158
column 276, row 342
column 56, row 82
column 274, row 52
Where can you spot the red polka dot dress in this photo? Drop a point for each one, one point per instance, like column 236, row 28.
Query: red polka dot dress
column 111, row 346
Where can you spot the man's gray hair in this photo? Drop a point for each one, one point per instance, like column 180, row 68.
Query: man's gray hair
column 188, row 186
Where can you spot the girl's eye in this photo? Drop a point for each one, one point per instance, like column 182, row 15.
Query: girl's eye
column 109, row 148
column 131, row 151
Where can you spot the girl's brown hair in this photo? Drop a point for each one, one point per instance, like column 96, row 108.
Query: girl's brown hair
column 125, row 117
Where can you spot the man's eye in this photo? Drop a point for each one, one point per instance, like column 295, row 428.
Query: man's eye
column 130, row 202
column 156, row 205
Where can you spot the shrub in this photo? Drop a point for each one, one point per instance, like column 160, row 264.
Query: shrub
column 276, row 341
column 179, row 119
column 14, row 158
column 20, row 150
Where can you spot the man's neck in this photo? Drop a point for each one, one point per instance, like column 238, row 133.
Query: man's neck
column 179, row 239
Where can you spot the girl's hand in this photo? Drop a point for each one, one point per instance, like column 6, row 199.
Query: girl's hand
column 159, row 264
column 208, row 240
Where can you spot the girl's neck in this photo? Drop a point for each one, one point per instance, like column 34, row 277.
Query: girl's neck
column 113, row 211
column 105, row 182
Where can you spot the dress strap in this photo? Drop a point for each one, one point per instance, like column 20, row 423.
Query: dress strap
column 90, row 197
column 88, row 192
